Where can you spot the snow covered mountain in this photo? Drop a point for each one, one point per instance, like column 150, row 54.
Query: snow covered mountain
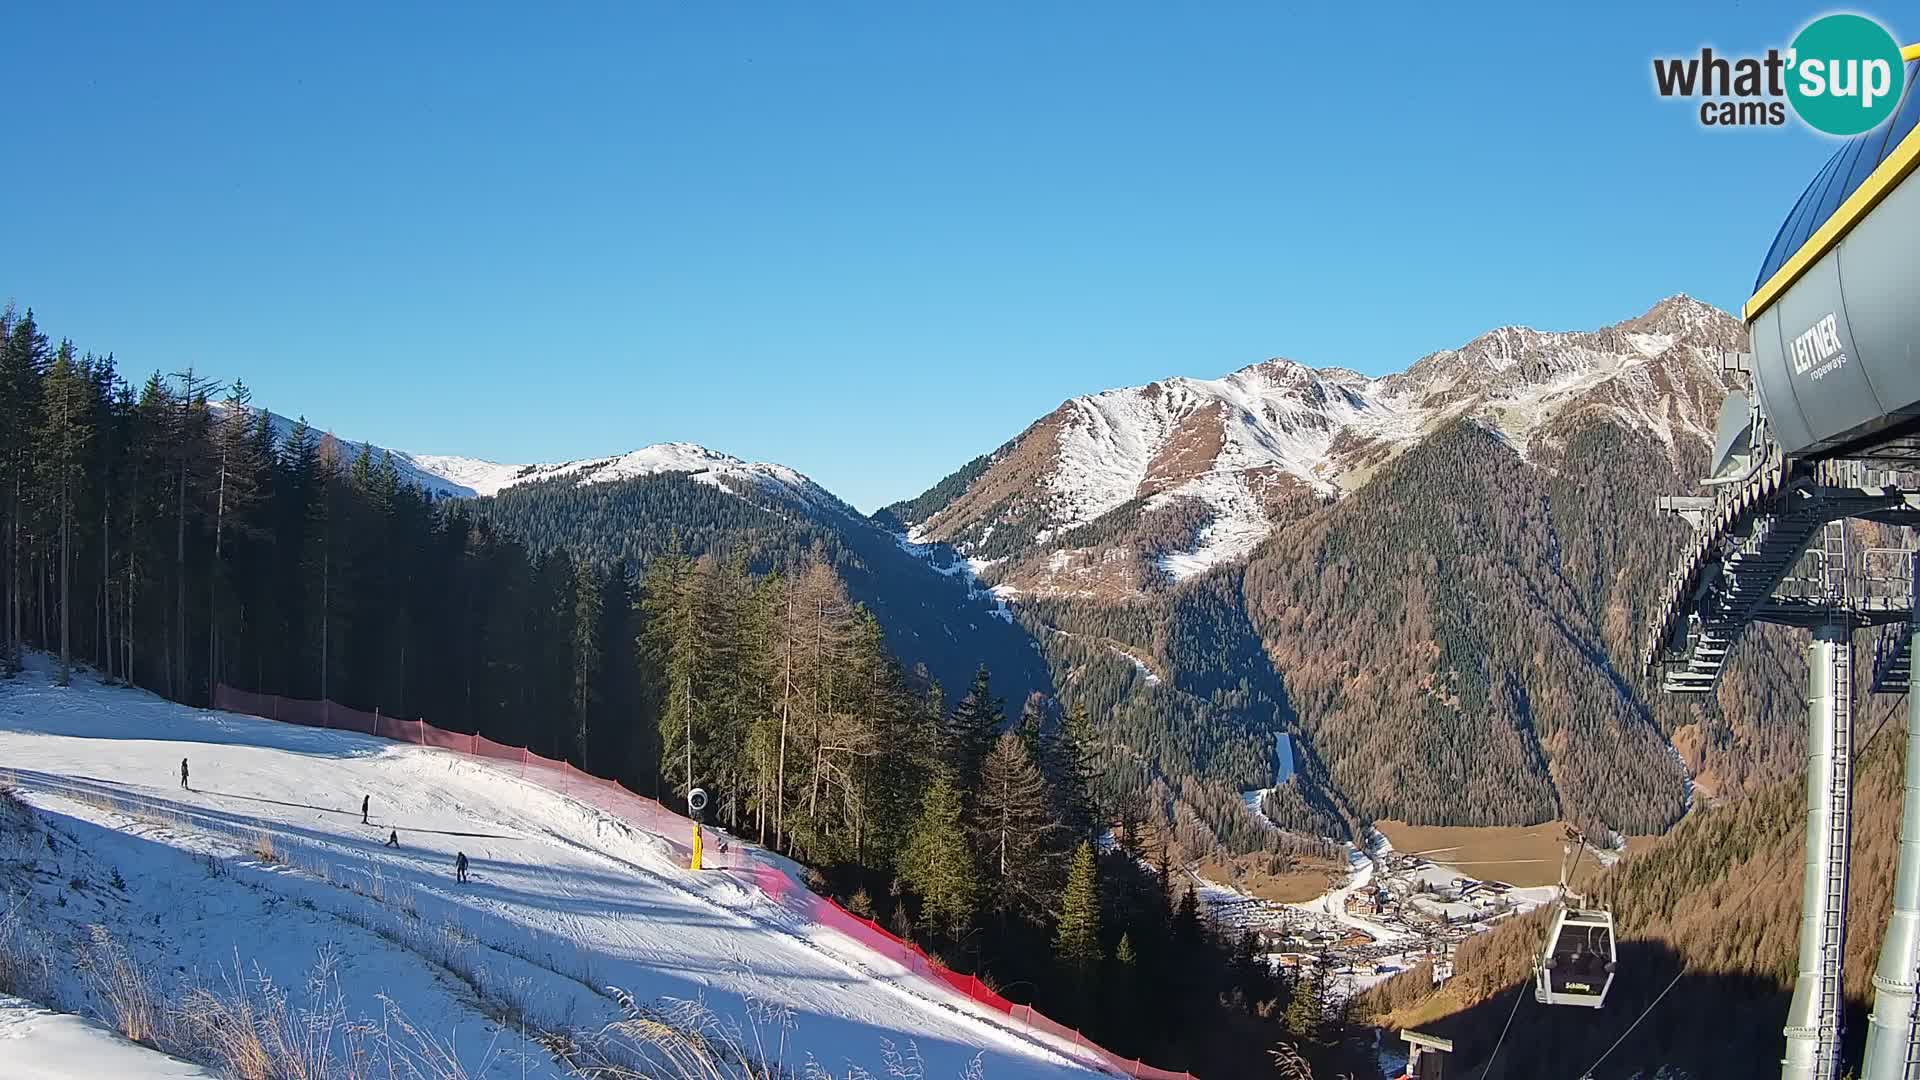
column 473, row 476
column 453, row 476
column 1198, row 471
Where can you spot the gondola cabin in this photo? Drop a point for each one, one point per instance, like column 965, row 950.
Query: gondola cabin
column 1426, row 1056
column 1578, row 966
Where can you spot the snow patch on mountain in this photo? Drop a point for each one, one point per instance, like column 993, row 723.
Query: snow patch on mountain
column 943, row 560
column 1278, row 413
column 1243, row 443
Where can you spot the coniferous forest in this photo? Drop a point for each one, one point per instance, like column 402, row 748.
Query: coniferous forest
column 163, row 534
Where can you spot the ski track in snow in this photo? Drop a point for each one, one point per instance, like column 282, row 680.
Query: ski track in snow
column 564, row 901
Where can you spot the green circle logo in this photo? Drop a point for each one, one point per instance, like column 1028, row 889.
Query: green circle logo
column 1845, row 74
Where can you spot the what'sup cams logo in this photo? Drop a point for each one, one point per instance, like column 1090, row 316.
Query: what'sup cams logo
column 1842, row 75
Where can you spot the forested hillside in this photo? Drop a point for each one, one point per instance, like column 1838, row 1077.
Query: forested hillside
column 936, row 622
column 1717, row 902
column 175, row 545
column 1437, row 581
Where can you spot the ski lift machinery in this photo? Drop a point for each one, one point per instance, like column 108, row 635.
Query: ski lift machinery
column 1577, row 965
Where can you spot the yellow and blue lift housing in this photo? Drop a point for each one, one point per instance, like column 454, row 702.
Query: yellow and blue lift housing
column 1833, row 318
column 1834, row 325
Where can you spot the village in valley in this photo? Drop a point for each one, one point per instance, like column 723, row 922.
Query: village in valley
column 1395, row 909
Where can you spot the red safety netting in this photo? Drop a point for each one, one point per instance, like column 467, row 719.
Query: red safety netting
column 779, row 885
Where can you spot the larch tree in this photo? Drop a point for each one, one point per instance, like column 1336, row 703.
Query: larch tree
column 1015, row 833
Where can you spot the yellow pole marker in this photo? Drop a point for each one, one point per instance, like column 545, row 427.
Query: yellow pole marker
column 696, row 845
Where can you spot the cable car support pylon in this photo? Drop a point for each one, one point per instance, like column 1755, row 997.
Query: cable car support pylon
column 1773, row 545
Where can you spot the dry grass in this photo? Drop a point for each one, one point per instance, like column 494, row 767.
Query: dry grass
column 1309, row 878
column 685, row 1041
column 263, row 849
column 247, row 1027
column 1524, row 855
column 26, row 964
column 129, row 1003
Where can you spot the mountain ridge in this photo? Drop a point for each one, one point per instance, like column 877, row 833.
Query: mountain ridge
column 1253, row 448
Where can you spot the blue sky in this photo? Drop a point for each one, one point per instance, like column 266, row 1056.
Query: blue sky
column 866, row 240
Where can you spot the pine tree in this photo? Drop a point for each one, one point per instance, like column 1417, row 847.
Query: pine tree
column 939, row 863
column 1077, row 941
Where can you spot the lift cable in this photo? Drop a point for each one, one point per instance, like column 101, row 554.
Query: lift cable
column 1636, row 1023
column 1893, row 708
column 1504, row 1029
column 1567, row 872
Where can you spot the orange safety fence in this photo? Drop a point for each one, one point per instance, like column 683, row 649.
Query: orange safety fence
column 676, row 829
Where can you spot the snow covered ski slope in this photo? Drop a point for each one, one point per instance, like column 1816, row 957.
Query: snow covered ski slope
column 264, row 863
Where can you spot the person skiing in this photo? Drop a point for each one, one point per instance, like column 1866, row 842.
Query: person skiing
column 393, row 838
column 183, row 774
column 460, row 867
column 365, row 802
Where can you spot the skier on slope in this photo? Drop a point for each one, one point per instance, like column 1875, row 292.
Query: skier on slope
column 393, row 838
column 460, row 867
column 183, row 774
column 365, row 802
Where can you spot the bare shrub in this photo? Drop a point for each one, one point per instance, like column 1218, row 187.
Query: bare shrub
column 263, row 848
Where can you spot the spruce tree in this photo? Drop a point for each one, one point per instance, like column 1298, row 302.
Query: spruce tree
column 1077, row 941
column 23, row 355
column 1186, row 919
column 586, row 655
column 969, row 733
column 1305, row 1014
column 1066, row 757
column 65, row 439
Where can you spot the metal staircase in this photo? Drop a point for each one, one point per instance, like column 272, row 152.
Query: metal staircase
column 1746, row 579
column 1745, row 565
column 1893, row 660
